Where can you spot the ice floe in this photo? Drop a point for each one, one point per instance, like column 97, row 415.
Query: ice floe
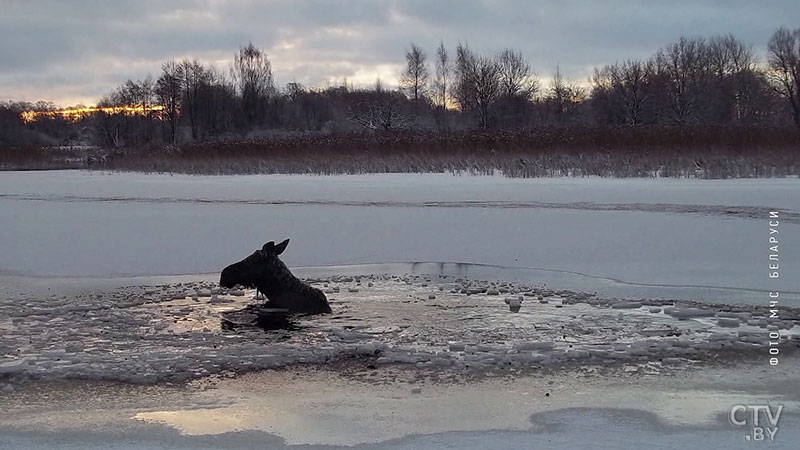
column 439, row 323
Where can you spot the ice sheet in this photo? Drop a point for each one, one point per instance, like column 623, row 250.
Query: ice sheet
column 671, row 232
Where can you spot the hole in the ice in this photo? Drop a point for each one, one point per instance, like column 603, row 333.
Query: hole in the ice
column 254, row 316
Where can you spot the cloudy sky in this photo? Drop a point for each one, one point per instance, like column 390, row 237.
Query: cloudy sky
column 76, row 51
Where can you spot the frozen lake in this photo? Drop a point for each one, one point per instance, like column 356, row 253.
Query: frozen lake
column 101, row 277
column 635, row 237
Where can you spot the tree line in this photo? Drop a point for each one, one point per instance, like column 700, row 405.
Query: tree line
column 694, row 81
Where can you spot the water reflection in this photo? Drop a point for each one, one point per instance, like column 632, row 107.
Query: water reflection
column 268, row 319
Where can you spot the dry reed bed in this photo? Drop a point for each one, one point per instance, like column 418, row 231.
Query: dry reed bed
column 706, row 152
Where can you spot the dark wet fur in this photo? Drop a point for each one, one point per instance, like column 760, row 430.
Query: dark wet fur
column 266, row 272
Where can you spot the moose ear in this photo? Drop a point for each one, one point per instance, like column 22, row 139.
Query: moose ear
column 269, row 247
column 281, row 247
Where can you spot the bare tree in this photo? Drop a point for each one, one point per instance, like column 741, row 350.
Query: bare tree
column 252, row 73
column 564, row 97
column 629, row 83
column 732, row 67
column 148, row 89
column 228, row 101
column 110, row 124
column 728, row 56
column 518, row 86
column 441, row 84
column 209, row 100
column 385, row 111
column 44, row 105
column 464, row 89
column 146, row 100
column 215, row 103
column 603, row 101
column 194, row 78
column 169, row 92
column 486, row 82
column 414, row 79
column 516, row 77
column 135, row 94
column 477, row 85
column 294, row 91
column 128, row 118
column 685, row 64
column 309, row 108
column 784, row 61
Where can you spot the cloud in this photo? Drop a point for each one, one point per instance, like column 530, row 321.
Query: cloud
column 77, row 51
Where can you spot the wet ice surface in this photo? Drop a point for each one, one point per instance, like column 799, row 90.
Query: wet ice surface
column 326, row 409
column 442, row 325
column 595, row 429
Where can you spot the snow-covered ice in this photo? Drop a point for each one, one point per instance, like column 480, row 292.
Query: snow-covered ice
column 632, row 237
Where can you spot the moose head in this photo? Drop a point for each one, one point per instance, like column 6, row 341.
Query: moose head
column 266, row 272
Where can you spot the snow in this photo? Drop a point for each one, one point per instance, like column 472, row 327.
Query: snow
column 412, row 188
column 633, row 237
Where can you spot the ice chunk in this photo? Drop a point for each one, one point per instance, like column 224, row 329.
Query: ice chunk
column 11, row 367
column 720, row 337
column 626, row 305
column 514, row 303
column 456, row 347
column 527, row 346
column 686, row 313
column 728, row 322
column 440, row 362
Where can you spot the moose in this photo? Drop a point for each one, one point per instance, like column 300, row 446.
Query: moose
column 264, row 271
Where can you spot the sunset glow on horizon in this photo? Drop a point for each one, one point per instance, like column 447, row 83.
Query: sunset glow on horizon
column 77, row 113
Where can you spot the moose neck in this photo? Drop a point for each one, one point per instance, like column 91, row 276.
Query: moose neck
column 284, row 281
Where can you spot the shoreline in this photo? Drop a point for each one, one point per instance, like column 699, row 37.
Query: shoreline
column 712, row 152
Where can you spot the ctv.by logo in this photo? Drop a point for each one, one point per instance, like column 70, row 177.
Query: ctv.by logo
column 761, row 419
